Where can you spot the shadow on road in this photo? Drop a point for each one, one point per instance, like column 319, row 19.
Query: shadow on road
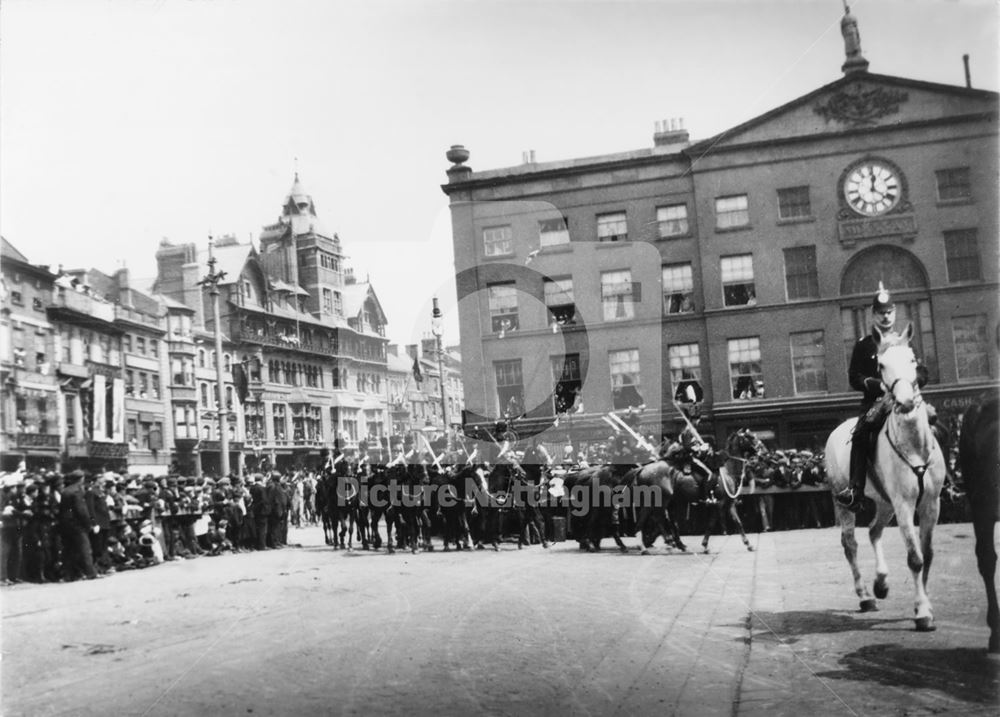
column 966, row 674
column 788, row 626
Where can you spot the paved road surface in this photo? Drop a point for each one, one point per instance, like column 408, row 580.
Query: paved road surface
column 557, row 632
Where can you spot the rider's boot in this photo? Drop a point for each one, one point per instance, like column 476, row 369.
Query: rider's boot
column 851, row 496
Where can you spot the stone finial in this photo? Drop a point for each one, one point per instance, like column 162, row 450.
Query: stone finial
column 458, row 155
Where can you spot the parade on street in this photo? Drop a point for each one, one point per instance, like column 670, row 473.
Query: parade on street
column 433, row 357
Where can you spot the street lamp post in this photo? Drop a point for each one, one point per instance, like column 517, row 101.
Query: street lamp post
column 212, row 282
column 438, row 329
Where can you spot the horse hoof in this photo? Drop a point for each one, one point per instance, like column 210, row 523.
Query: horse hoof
column 869, row 605
column 447, row 549
column 496, row 548
column 391, row 551
column 644, row 551
column 925, row 624
column 623, row 549
column 749, row 547
column 881, row 588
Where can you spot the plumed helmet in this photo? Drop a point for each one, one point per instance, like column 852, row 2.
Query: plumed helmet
column 882, row 300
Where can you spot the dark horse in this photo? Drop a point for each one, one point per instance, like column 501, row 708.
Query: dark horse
column 592, row 493
column 380, row 506
column 503, row 504
column 657, row 483
column 455, row 488
column 408, row 483
column 977, row 451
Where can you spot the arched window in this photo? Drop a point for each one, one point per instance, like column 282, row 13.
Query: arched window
column 226, row 360
column 897, row 268
column 904, row 276
column 204, row 395
column 229, row 397
column 201, row 358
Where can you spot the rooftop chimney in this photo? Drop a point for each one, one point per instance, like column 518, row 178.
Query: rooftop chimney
column 968, row 75
column 670, row 131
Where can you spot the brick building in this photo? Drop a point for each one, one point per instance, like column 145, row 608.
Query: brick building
column 746, row 261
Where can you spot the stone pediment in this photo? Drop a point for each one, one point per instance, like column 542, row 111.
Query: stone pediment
column 857, row 102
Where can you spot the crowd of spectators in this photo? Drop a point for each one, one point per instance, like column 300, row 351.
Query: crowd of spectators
column 66, row 527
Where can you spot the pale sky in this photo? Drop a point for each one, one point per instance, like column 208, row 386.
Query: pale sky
column 125, row 122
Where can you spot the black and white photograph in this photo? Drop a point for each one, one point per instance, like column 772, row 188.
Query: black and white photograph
column 499, row 357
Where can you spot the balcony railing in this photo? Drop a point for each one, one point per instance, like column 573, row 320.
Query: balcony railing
column 286, row 341
column 217, row 445
column 283, row 341
column 97, row 449
column 84, row 304
column 38, row 440
column 137, row 317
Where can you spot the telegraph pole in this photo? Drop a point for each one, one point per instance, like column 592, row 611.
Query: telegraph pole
column 438, row 329
column 212, row 282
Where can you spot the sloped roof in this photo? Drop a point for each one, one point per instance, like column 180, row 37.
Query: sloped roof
column 355, row 296
column 399, row 364
column 8, row 251
column 861, row 100
column 172, row 303
column 279, row 285
column 230, row 258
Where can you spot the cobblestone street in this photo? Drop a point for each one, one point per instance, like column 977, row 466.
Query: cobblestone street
column 310, row 630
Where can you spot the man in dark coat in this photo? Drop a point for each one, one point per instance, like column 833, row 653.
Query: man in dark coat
column 98, row 506
column 76, row 524
column 275, row 496
column 261, row 509
column 171, row 501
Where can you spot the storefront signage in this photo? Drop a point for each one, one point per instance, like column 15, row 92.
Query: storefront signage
column 853, row 230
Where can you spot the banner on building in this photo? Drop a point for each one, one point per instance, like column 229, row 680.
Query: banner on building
column 100, row 423
column 118, row 410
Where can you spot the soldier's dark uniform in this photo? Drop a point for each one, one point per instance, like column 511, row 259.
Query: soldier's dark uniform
column 76, row 524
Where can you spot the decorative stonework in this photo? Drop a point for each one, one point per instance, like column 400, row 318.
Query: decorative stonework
column 860, row 105
column 902, row 226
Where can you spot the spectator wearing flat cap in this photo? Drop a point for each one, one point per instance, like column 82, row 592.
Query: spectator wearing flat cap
column 171, row 498
column 261, row 508
column 11, row 534
column 275, row 495
column 98, row 506
column 76, row 526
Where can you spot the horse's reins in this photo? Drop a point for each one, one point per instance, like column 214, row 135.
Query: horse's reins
column 918, row 470
column 743, row 472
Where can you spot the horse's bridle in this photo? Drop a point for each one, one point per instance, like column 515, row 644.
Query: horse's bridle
column 920, row 469
column 918, row 398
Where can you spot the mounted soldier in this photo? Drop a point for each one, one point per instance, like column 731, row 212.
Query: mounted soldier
column 689, row 448
column 864, row 376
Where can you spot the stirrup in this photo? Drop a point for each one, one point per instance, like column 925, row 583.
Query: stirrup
column 847, row 498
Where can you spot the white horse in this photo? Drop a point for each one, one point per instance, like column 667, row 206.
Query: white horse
column 904, row 479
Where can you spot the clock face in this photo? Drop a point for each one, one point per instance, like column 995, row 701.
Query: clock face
column 872, row 189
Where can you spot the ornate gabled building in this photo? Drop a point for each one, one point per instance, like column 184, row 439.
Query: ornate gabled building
column 308, row 338
column 746, row 262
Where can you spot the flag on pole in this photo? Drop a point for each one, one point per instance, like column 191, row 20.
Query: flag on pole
column 417, row 376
